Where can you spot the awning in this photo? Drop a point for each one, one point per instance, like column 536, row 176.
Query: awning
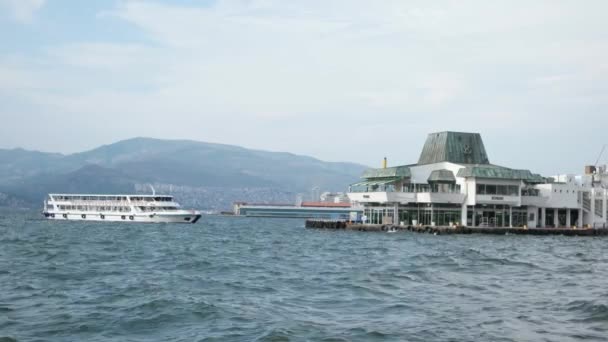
column 442, row 176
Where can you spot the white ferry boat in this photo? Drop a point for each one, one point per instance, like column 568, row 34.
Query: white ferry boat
column 117, row 208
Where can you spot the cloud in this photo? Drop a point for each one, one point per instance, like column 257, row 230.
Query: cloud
column 23, row 10
column 282, row 75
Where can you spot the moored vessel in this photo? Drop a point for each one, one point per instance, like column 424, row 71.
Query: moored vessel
column 117, row 208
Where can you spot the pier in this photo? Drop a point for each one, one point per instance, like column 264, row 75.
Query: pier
column 445, row 230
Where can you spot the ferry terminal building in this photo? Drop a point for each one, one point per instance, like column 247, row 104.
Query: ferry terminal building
column 454, row 183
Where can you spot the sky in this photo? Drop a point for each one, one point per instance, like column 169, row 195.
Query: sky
column 339, row 80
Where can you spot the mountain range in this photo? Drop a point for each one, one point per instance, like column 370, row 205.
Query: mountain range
column 206, row 175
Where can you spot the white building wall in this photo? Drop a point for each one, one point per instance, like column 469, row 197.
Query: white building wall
column 471, row 191
column 599, row 202
column 558, row 195
column 532, row 216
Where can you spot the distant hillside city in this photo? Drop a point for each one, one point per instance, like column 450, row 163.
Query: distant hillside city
column 200, row 175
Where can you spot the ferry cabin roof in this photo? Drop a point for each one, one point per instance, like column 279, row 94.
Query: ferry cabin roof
column 454, row 175
column 100, row 197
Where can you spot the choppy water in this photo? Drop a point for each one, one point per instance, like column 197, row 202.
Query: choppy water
column 239, row 279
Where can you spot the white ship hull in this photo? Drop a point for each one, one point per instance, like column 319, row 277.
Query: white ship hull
column 173, row 217
column 117, row 208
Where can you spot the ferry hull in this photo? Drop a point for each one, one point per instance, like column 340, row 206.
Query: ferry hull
column 192, row 217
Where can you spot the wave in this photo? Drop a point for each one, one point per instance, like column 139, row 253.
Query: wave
column 7, row 339
column 476, row 255
column 591, row 311
column 276, row 334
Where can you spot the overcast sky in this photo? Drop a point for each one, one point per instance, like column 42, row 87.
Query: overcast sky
column 340, row 80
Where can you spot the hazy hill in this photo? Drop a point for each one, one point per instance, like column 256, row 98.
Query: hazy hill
column 29, row 175
column 18, row 163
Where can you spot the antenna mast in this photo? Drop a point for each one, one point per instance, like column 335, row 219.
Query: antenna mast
column 600, row 156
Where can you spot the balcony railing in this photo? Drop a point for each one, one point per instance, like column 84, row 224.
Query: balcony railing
column 407, row 191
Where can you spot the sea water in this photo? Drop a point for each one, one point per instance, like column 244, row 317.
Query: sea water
column 256, row 279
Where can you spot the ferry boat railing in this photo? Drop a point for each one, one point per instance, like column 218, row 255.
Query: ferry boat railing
column 113, row 203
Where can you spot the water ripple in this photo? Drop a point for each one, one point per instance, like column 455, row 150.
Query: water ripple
column 236, row 279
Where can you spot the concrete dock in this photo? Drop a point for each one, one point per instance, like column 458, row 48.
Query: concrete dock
column 437, row 230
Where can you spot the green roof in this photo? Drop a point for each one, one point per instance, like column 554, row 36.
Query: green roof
column 454, row 147
column 377, row 181
column 395, row 171
column 499, row 172
column 442, row 176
